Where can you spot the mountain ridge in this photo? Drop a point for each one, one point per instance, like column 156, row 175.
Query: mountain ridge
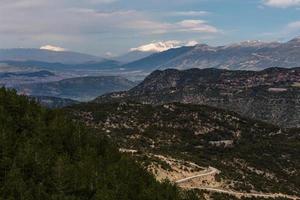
column 248, row 55
column 271, row 95
column 64, row 57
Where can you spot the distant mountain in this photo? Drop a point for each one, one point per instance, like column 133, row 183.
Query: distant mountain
column 38, row 74
column 54, row 102
column 31, row 64
column 11, row 79
column 80, row 89
column 101, row 65
column 64, row 57
column 152, row 48
column 272, row 95
column 249, row 55
column 133, row 56
column 153, row 61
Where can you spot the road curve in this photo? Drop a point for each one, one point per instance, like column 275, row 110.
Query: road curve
column 244, row 194
column 209, row 171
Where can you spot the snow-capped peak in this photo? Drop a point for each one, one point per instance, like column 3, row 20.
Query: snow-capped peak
column 163, row 46
column 52, row 48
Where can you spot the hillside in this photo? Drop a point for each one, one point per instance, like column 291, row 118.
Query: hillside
column 81, row 89
column 271, row 95
column 45, row 156
column 249, row 55
column 251, row 156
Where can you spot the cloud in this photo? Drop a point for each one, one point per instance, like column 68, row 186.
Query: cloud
column 282, row 3
column 155, row 27
column 288, row 31
column 101, row 1
column 30, row 3
column 52, row 48
column 294, row 25
column 200, row 26
column 84, row 26
column 163, row 45
column 190, row 13
column 292, row 29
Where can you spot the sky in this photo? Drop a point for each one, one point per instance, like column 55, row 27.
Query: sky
column 113, row 27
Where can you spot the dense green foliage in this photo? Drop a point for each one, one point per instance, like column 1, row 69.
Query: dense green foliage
column 43, row 155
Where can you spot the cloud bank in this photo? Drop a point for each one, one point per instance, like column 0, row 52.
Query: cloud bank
column 282, row 3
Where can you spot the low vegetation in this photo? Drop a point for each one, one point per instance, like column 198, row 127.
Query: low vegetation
column 251, row 155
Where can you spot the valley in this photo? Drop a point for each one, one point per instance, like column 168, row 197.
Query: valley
column 78, row 89
column 150, row 100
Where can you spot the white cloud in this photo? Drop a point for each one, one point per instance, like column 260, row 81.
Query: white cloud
column 52, row 48
column 282, row 3
column 78, row 24
column 102, row 1
column 155, row 27
column 288, row 31
column 163, row 46
column 190, row 13
column 294, row 25
column 292, row 29
column 200, row 26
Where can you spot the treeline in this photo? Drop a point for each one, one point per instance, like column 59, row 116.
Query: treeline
column 44, row 155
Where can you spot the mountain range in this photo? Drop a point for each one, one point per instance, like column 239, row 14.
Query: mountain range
column 64, row 57
column 40, row 74
column 249, row 55
column 271, row 95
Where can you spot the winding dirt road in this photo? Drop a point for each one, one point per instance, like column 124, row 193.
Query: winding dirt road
column 244, row 194
column 212, row 171
column 207, row 172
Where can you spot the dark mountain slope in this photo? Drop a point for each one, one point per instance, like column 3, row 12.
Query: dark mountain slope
column 133, row 56
column 156, row 60
column 271, row 95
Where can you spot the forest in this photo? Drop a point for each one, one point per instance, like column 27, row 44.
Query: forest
column 45, row 155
